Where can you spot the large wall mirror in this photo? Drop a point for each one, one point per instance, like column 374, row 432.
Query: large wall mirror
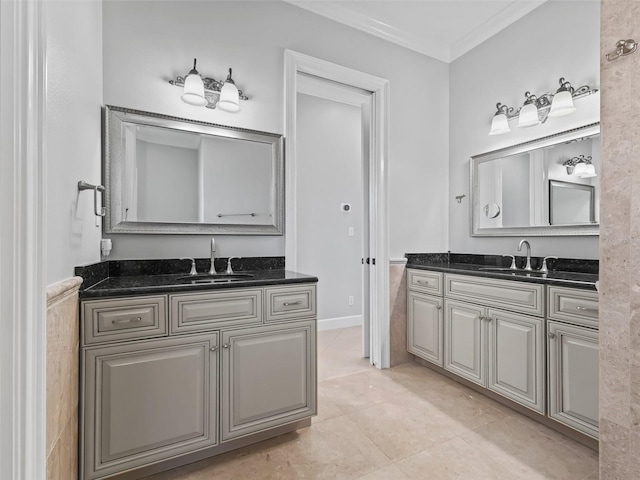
column 177, row 176
column 538, row 187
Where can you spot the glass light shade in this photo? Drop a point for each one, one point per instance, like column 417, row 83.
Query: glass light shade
column 589, row 171
column 528, row 116
column 499, row 124
column 229, row 98
column 580, row 169
column 194, row 90
column 562, row 104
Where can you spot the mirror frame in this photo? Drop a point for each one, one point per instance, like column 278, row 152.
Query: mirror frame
column 550, row 230
column 113, row 160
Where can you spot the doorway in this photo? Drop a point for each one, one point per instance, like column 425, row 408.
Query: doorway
column 300, row 72
column 332, row 141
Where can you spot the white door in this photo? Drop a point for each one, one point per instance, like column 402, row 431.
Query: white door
column 332, row 199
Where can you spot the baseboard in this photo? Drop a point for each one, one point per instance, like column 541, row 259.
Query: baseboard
column 340, row 322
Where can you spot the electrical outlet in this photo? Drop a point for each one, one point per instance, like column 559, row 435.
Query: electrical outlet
column 350, row 299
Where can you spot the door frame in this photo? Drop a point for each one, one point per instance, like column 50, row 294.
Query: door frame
column 295, row 62
column 22, row 234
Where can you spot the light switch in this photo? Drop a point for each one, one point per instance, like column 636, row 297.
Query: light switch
column 351, row 231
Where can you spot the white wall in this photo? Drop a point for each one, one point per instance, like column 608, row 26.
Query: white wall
column 557, row 39
column 148, row 43
column 72, row 133
column 330, row 171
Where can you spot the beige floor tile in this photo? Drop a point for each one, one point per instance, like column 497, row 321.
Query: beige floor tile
column 593, row 476
column 390, row 472
column 334, row 363
column 327, row 409
column 404, row 428
column 533, row 451
column 454, row 459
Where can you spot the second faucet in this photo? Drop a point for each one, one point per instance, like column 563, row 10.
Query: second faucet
column 528, row 265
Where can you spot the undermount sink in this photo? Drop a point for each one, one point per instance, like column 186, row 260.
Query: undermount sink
column 218, row 278
column 509, row 270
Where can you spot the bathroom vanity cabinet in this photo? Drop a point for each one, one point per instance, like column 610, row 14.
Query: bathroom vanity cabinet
column 518, row 339
column 167, row 376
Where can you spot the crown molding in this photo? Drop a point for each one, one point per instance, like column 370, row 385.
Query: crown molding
column 512, row 13
column 339, row 13
column 432, row 48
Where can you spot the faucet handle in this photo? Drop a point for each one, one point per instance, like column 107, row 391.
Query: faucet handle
column 229, row 269
column 543, row 268
column 513, row 262
column 193, row 265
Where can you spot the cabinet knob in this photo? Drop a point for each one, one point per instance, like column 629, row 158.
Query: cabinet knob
column 439, row 307
column 552, row 335
column 214, row 348
column 226, row 345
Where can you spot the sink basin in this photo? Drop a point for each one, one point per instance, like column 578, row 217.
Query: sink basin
column 221, row 277
column 509, row 270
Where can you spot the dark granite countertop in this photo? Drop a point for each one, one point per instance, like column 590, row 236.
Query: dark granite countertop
column 141, row 277
column 481, row 265
column 146, row 284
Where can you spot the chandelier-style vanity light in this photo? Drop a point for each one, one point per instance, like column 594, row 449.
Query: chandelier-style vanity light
column 581, row 167
column 536, row 109
column 208, row 92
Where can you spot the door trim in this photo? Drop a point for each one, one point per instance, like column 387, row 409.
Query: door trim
column 295, row 63
column 22, row 234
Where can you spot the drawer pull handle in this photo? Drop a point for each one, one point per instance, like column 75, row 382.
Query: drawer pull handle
column 121, row 321
column 422, row 282
column 288, row 304
column 586, row 309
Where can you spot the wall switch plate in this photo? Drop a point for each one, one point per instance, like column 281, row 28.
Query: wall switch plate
column 350, row 299
column 351, row 232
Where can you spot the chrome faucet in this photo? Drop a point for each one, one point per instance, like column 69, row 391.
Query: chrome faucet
column 229, row 269
column 193, row 265
column 212, row 269
column 528, row 265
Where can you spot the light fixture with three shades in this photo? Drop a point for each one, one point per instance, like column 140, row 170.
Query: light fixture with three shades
column 536, row 109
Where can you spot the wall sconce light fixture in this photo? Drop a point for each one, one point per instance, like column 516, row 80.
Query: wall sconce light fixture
column 581, row 167
column 536, row 109
column 208, row 92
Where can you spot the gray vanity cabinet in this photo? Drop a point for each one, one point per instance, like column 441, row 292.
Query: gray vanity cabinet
column 268, row 377
column 573, row 358
column 503, row 348
column 148, row 400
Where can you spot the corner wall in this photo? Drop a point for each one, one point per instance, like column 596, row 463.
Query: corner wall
column 620, row 248
column 558, row 39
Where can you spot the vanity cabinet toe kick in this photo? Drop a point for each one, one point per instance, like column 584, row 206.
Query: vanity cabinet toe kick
column 193, row 374
column 533, row 344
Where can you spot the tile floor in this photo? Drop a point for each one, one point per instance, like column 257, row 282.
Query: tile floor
column 403, row 423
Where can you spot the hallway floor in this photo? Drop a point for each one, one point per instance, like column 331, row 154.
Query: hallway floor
column 402, row 423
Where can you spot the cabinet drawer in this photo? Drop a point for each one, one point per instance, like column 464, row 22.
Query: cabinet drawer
column 423, row 281
column 510, row 295
column 574, row 305
column 123, row 319
column 290, row 302
column 204, row 311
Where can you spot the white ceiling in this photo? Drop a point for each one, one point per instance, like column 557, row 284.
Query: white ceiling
column 443, row 29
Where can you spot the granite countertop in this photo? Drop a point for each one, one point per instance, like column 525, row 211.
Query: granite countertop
column 141, row 277
column 562, row 272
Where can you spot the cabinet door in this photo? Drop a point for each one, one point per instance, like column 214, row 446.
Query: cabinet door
column 424, row 327
column 464, row 350
column 268, row 377
column 148, row 401
column 516, row 357
column 573, row 377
